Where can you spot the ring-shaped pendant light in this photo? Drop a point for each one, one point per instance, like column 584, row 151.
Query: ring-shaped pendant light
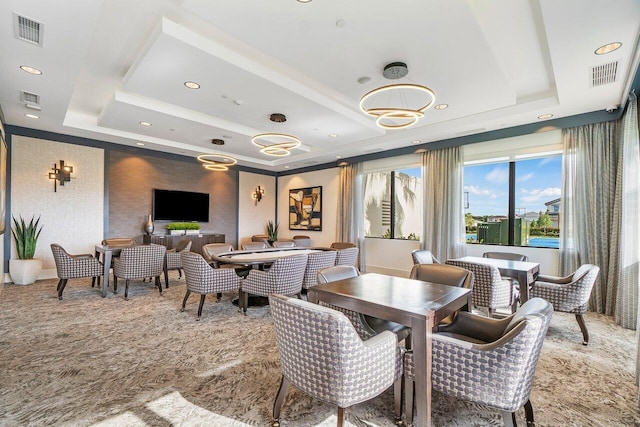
column 216, row 162
column 275, row 143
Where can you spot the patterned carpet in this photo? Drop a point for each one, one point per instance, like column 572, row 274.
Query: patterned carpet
column 89, row 361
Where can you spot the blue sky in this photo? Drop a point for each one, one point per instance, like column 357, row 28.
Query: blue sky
column 537, row 181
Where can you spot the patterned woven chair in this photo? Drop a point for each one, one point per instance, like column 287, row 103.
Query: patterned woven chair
column 284, row 244
column 316, row 262
column 323, row 356
column 347, row 256
column 487, row 361
column 423, row 256
column 284, row 277
column 211, row 249
column 366, row 326
column 489, row 288
column 510, row 256
column 73, row 266
column 255, row 246
column 569, row 294
column 203, row 279
column 174, row 262
column 139, row 262
column 302, row 241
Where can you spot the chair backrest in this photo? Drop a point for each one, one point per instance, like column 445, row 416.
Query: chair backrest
column 423, row 256
column 184, row 245
column 260, row 238
column 443, row 274
column 506, row 255
column 348, row 256
column 284, row 277
column 302, row 241
column 489, row 289
column 316, row 262
column 212, row 249
column 254, row 245
column 140, row 261
column 342, row 245
column 119, row 241
column 203, row 279
column 62, row 260
column 284, row 244
column 337, row 272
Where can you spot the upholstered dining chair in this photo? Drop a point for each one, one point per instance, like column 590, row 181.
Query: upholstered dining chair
column 139, row 262
column 302, row 241
column 569, row 294
column 342, row 245
column 119, row 241
column 322, row 355
column 74, row 266
column 203, row 279
column 487, row 361
column 366, row 326
column 260, row 238
column 255, row 245
column 489, row 288
column 347, row 256
column 423, row 256
column 174, row 260
column 317, row 261
column 445, row 275
column 284, row 277
column 509, row 256
column 284, row 244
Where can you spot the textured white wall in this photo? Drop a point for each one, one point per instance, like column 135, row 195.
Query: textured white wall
column 252, row 217
column 72, row 216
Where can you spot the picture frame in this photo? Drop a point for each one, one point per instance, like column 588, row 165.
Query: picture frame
column 305, row 209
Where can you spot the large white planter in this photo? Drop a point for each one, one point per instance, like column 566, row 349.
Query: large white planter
column 24, row 271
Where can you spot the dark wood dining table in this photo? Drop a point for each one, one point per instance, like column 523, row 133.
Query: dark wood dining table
column 413, row 303
column 525, row 272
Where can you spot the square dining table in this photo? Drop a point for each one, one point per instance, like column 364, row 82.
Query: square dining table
column 413, row 303
column 108, row 252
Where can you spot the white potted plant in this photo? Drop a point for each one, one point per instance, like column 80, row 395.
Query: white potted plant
column 25, row 270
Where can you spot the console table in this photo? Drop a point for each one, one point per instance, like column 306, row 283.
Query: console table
column 197, row 240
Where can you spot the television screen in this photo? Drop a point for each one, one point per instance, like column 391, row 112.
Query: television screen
column 170, row 205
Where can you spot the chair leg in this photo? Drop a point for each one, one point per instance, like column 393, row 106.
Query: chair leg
column 491, row 311
column 126, row 289
column 93, row 282
column 340, row 417
column 218, row 296
column 166, row 278
column 408, row 400
column 179, row 273
column 159, row 285
column 528, row 410
column 397, row 399
column 277, row 404
column 61, row 285
column 184, row 301
column 115, row 284
column 509, row 419
column 583, row 328
column 200, row 306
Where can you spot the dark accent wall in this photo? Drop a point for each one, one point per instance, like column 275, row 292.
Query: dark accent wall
column 132, row 178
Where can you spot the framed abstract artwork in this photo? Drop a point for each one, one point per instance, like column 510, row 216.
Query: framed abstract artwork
column 305, row 209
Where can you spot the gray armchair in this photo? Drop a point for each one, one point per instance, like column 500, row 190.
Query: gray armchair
column 323, row 356
column 489, row 288
column 302, row 241
column 284, row 277
column 347, row 256
column 284, row 244
column 203, row 279
column 487, row 361
column 211, row 249
column 509, row 256
column 255, row 246
column 174, row 261
column 569, row 294
column 317, row 261
column 73, row 266
column 139, row 262
column 423, row 256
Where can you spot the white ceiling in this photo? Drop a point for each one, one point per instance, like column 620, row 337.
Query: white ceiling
column 107, row 65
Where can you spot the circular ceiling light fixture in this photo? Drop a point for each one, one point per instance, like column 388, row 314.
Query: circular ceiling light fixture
column 217, row 141
column 274, row 143
column 216, row 161
column 545, row 116
column 608, row 48
column 30, row 70
column 441, row 106
column 192, row 85
column 398, row 115
column 145, row 123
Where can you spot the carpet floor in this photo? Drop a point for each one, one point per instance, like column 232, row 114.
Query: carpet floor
column 92, row 361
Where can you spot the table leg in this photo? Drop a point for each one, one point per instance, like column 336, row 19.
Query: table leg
column 107, row 267
column 523, row 280
column 421, row 336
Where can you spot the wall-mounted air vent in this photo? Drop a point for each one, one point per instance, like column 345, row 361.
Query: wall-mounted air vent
column 29, row 98
column 604, row 74
column 27, row 29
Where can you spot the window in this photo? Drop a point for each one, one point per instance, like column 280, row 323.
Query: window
column 514, row 202
column 393, row 203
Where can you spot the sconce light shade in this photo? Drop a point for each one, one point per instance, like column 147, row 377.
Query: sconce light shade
column 257, row 194
column 61, row 174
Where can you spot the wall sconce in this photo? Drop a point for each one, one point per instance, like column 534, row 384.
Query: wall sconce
column 257, row 194
column 60, row 174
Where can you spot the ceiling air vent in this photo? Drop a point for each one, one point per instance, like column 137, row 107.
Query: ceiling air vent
column 27, row 29
column 29, row 98
column 604, row 74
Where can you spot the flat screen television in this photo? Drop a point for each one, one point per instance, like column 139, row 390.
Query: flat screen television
column 173, row 205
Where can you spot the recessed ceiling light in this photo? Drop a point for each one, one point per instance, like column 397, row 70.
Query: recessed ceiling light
column 217, row 142
column 364, row 79
column 32, row 116
column 416, row 141
column 286, row 167
column 441, row 106
column 340, row 23
column 30, row 70
column 140, row 144
column 333, row 135
column 608, row 48
column 304, row 1
column 172, row 129
column 192, row 85
column 545, row 116
column 338, row 157
column 145, row 123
